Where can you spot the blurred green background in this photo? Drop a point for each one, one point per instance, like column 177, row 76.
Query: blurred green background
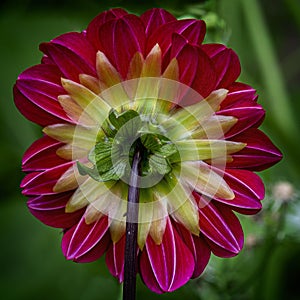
column 266, row 36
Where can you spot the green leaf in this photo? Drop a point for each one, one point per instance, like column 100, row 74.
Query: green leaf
column 158, row 144
column 101, row 149
column 167, row 150
column 101, row 156
column 128, row 125
column 115, row 172
column 159, row 164
column 107, row 159
column 151, row 142
column 118, row 120
column 108, row 129
column 84, row 170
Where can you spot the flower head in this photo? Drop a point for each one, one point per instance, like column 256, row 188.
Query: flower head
column 146, row 83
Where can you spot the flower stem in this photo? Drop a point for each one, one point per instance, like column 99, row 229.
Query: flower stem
column 130, row 265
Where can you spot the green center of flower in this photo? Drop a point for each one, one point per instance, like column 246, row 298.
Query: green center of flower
column 123, row 134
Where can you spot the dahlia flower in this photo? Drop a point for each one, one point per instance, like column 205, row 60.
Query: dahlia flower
column 146, row 83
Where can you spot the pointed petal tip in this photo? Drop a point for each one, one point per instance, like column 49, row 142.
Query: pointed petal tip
column 221, row 92
column 168, row 266
column 222, row 229
column 65, row 81
column 218, row 95
column 86, row 243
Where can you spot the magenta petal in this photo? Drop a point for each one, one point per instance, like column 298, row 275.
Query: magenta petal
column 195, row 32
column 155, row 17
column 228, row 67
column 92, row 31
column 69, row 59
column 46, row 60
column 221, row 228
column 51, row 210
column 245, row 183
column 178, row 43
column 96, row 252
column 239, row 95
column 38, row 93
column 226, row 63
column 50, row 202
column 121, row 39
column 198, row 247
column 213, row 49
column 259, row 154
column 45, row 74
column 188, row 63
column 41, row 155
column 195, row 69
column 39, row 145
column 163, row 34
column 247, row 117
column 202, row 255
column 78, row 44
column 115, row 259
column 206, row 76
column 168, row 266
column 148, row 276
column 243, row 204
column 34, row 112
column 248, row 189
column 80, row 241
column 42, row 183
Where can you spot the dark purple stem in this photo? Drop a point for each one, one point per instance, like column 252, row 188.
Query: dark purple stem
column 130, row 265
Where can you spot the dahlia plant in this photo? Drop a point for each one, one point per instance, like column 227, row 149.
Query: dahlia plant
column 150, row 146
